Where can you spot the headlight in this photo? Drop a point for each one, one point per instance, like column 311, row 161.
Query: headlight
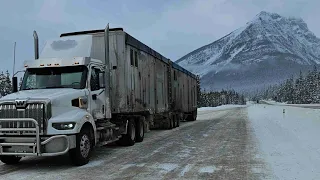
column 81, row 102
column 64, row 126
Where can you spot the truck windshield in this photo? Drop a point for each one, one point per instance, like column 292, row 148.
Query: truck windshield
column 55, row 77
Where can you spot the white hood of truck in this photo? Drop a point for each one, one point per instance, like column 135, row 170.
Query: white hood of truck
column 60, row 97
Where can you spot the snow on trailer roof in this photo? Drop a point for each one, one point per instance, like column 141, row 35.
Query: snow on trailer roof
column 135, row 43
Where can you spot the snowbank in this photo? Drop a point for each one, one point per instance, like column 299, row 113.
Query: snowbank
column 223, row 107
column 314, row 106
column 289, row 141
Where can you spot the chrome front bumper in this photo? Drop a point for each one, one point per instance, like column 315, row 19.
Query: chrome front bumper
column 31, row 146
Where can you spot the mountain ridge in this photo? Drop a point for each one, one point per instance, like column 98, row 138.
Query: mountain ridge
column 268, row 40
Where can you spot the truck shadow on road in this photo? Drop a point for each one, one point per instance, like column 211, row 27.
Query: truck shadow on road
column 100, row 154
column 62, row 162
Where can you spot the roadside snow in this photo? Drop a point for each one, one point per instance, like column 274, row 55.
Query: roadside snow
column 289, row 141
column 315, row 106
column 223, row 107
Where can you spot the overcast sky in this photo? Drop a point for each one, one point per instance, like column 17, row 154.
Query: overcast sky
column 173, row 28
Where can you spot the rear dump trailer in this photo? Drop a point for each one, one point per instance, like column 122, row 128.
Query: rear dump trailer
column 89, row 89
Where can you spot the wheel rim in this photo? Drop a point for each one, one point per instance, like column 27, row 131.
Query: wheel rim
column 85, row 146
column 141, row 129
column 133, row 132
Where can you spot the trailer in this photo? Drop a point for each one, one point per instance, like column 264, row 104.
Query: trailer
column 92, row 88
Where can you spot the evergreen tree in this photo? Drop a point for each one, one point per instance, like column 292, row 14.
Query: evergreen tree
column 298, row 91
column 309, row 88
column 314, row 86
column 2, row 84
column 220, row 98
column 288, row 91
column 7, row 84
column 302, row 90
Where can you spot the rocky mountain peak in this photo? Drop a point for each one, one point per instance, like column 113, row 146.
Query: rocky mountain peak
column 268, row 40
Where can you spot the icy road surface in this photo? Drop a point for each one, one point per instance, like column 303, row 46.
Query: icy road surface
column 233, row 142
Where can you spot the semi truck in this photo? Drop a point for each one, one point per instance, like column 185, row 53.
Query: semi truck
column 92, row 88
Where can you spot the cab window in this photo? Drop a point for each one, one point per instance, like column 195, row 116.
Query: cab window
column 94, row 82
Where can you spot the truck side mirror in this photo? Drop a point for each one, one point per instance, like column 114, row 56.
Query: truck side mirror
column 102, row 80
column 14, row 84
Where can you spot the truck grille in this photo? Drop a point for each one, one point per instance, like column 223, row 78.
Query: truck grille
column 35, row 111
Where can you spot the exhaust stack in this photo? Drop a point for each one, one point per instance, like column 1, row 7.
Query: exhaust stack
column 36, row 45
column 107, row 73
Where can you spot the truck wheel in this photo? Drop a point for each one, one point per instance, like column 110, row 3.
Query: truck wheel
column 178, row 120
column 170, row 123
column 194, row 115
column 174, row 121
column 81, row 154
column 140, row 130
column 129, row 138
column 10, row 159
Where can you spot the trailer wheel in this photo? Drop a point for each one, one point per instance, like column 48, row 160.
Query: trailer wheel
column 140, row 130
column 170, row 122
column 81, row 154
column 194, row 115
column 178, row 120
column 10, row 159
column 129, row 138
column 175, row 121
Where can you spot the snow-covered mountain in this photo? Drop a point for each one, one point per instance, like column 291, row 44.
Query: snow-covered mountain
column 266, row 50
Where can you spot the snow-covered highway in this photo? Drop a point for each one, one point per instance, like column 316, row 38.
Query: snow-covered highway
column 230, row 142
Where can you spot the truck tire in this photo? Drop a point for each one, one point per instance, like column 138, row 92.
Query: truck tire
column 10, row 159
column 84, row 144
column 170, row 123
column 178, row 120
column 194, row 115
column 129, row 139
column 174, row 121
column 139, row 130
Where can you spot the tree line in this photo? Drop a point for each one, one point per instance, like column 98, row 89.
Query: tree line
column 304, row 89
column 5, row 83
column 217, row 98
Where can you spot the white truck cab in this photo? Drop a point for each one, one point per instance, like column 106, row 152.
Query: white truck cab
column 61, row 98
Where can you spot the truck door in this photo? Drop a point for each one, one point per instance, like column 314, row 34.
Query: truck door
column 97, row 95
